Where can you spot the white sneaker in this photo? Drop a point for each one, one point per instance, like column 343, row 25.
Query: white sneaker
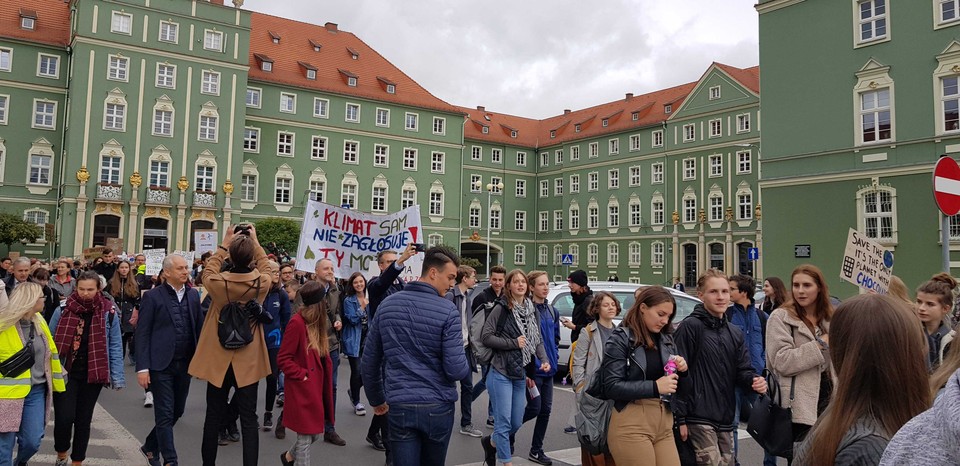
column 148, row 400
column 359, row 410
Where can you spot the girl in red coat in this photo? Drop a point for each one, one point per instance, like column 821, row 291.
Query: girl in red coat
column 304, row 358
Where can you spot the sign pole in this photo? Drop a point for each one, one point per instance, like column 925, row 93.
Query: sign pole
column 945, row 242
column 946, row 191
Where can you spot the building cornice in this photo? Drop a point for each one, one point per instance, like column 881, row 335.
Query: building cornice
column 337, row 129
column 32, row 87
column 161, row 53
column 926, row 168
column 775, row 5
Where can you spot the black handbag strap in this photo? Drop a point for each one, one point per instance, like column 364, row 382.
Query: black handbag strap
column 793, row 380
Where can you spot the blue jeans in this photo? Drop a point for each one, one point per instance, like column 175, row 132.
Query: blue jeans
column 32, row 422
column 539, row 408
column 170, row 388
column 420, row 433
column 747, row 398
column 509, row 398
column 335, row 357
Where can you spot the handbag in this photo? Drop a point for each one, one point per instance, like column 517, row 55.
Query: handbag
column 771, row 425
column 21, row 361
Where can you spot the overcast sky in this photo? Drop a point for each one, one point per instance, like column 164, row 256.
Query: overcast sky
column 534, row 58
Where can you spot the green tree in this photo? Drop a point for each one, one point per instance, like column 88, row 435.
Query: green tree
column 285, row 233
column 472, row 262
column 13, row 229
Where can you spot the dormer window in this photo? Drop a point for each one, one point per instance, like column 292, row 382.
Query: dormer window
column 668, row 108
column 576, row 128
column 486, row 129
column 352, row 82
column 266, row 63
column 274, row 37
column 312, row 74
column 28, row 19
column 553, row 133
column 635, row 116
column 605, row 122
column 391, row 89
column 389, row 86
column 349, row 78
column 513, row 133
column 316, row 45
column 309, row 70
column 353, row 53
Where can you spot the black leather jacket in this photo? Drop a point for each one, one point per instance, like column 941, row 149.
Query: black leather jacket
column 624, row 368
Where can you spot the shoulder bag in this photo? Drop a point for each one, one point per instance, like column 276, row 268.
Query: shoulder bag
column 22, row 360
column 770, row 424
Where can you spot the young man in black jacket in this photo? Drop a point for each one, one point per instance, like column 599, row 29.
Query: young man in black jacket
column 705, row 402
column 582, row 295
column 497, row 278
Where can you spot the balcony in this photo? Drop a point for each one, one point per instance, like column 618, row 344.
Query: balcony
column 206, row 199
column 109, row 192
column 158, row 195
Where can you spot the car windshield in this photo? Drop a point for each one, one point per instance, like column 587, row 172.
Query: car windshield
column 564, row 304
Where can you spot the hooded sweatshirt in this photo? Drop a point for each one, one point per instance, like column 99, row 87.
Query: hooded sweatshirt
column 930, row 439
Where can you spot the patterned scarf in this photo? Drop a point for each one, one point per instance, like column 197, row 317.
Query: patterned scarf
column 526, row 316
column 70, row 329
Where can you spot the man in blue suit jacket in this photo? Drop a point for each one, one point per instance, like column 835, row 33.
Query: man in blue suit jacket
column 169, row 313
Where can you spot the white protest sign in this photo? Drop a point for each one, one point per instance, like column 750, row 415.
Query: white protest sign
column 186, row 255
column 352, row 239
column 866, row 263
column 205, row 240
column 154, row 260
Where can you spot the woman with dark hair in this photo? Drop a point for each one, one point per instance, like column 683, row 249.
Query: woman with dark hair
column 126, row 293
column 305, row 361
column 88, row 339
column 871, row 401
column 241, row 368
column 63, row 281
column 355, row 306
column 51, row 297
column 774, row 294
column 277, row 304
column 798, row 350
column 934, row 302
column 638, row 377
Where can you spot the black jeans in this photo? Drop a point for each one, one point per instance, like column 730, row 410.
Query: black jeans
column 170, row 389
column 356, row 383
column 73, row 413
column 272, row 380
column 380, row 425
column 217, row 411
column 466, row 394
column 539, row 408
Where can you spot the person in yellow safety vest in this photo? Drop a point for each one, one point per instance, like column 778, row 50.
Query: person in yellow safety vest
column 26, row 398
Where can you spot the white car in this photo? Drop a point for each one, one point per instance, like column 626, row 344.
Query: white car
column 561, row 299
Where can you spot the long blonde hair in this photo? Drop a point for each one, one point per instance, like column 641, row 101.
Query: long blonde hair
column 22, row 299
column 315, row 317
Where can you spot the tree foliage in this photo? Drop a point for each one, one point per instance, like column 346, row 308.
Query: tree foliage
column 471, row 261
column 282, row 231
column 13, row 229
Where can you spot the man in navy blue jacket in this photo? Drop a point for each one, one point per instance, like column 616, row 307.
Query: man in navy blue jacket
column 166, row 337
column 412, row 360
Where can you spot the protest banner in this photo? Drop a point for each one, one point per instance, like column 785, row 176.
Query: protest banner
column 90, row 254
column 154, row 260
column 352, row 239
column 205, row 240
column 187, row 255
column 116, row 244
column 866, row 263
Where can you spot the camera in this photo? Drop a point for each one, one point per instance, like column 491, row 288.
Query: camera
column 242, row 228
column 419, row 247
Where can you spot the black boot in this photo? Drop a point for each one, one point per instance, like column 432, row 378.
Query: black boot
column 279, row 431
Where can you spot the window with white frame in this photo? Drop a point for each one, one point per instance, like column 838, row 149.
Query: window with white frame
column 635, row 176
column 378, row 199
column 285, row 143
column 409, row 159
column 950, row 100
column 114, row 115
column 557, row 220
column 321, row 107
column 169, row 32
column 208, row 128
column 167, row 76
column 318, row 148
column 473, row 216
column 689, row 132
column 248, row 187
column 318, row 189
column 949, row 10
column 634, row 254
column 213, row 40
column 544, row 159
column 434, row 239
column 635, row 142
column 117, row 68
column 876, row 124
column 121, row 23
column 689, row 169
column 613, row 146
column 44, row 114
column 40, row 168
column 251, row 139
column 716, row 165
column 714, row 92
column 163, row 121
column 558, row 156
column 348, row 193
column 689, row 209
column 253, row 97
column 495, row 217
column 558, row 186
column 521, row 159
column 381, row 155
column 877, row 213
column 715, row 128
column 282, row 190
column 656, row 173
column 408, row 197
column 495, row 181
column 210, row 83
column 205, row 178
column 574, row 217
column 593, row 181
column 159, row 174
column 744, row 163
column 496, row 155
column 4, row 102
column 544, row 223
column 744, row 205
column 593, row 217
column 613, row 215
column 110, row 169
column 716, row 207
column 39, row 218
column 410, row 121
column 48, row 66
column 6, row 59
column 383, row 117
column 437, row 162
column 519, row 254
column 439, row 125
column 476, row 153
column 613, row 178
column 593, row 254
column 656, row 138
column 353, row 113
column 574, row 184
column 543, row 254
column 520, row 220
column 575, row 252
column 593, row 150
column 613, row 253
column 574, row 153
column 743, row 123
column 544, row 188
column 521, row 190
column 476, row 183
column 636, row 215
column 557, row 254
column 288, row 102
column 656, row 211
column 351, row 152
column 656, row 253
column 873, row 20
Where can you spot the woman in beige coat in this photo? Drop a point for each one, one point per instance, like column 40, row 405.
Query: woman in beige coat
column 797, row 348
column 241, row 368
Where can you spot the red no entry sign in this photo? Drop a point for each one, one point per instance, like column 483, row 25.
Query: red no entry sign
column 946, row 185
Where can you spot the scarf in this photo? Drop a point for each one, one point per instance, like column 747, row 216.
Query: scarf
column 71, row 327
column 526, row 316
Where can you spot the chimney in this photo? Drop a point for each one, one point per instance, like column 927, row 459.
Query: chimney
column 481, row 108
column 332, row 27
column 629, row 95
column 566, row 111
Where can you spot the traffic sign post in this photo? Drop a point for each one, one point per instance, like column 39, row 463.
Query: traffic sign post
column 566, row 259
column 753, row 254
column 946, row 191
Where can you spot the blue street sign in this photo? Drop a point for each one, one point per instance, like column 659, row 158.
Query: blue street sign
column 345, row 205
column 566, row 259
column 753, row 254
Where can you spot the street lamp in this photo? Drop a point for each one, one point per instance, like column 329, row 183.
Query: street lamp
column 490, row 187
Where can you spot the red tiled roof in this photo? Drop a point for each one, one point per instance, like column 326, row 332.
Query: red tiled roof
column 749, row 77
column 334, row 58
column 500, row 125
column 52, row 26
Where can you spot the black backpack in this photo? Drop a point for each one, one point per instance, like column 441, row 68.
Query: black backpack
column 237, row 320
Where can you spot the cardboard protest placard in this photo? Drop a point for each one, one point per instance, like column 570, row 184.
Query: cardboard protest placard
column 352, row 239
column 205, row 240
column 866, row 263
column 154, row 260
column 90, row 254
column 116, row 244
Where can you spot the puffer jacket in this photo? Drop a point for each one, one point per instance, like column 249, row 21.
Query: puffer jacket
column 625, row 365
column 747, row 319
column 718, row 362
column 931, row 437
column 793, row 352
column 507, row 356
column 277, row 303
column 414, row 350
